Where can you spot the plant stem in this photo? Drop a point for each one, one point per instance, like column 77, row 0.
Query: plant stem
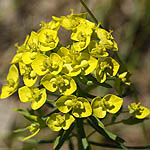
column 119, row 147
column 113, row 123
column 89, row 11
column 144, row 133
column 91, row 133
column 82, row 140
column 101, row 144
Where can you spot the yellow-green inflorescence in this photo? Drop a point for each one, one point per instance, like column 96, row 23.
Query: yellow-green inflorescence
column 42, row 58
column 138, row 111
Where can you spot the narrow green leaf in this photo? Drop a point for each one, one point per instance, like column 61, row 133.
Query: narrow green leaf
column 98, row 125
column 32, row 141
column 131, row 121
column 26, row 114
column 20, row 130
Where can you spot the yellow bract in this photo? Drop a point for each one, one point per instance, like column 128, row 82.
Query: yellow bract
column 27, row 51
column 138, row 111
column 109, row 103
column 87, row 63
column 97, row 49
column 33, row 43
column 13, row 82
column 106, row 67
column 70, row 67
column 33, row 95
column 76, row 63
column 122, row 82
column 80, row 106
column 65, row 83
column 40, row 65
column 52, row 25
column 57, row 122
column 48, row 39
column 28, row 57
column 82, row 35
column 29, row 75
column 106, row 39
column 55, row 63
column 43, row 64
column 70, row 22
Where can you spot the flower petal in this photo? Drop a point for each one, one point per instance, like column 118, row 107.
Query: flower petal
column 98, row 110
column 25, row 94
column 115, row 101
column 39, row 64
column 37, row 103
column 64, row 103
column 49, row 81
column 82, row 108
column 69, row 119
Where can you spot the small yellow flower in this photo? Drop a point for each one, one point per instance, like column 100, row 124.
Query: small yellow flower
column 52, row 25
column 70, row 67
column 27, row 51
column 106, row 67
column 77, row 62
column 48, row 39
column 122, row 82
column 33, row 43
column 29, row 75
column 34, row 129
column 97, row 49
column 138, row 111
column 86, row 62
column 28, row 57
column 44, row 64
column 57, row 122
column 70, row 22
column 13, row 82
column 65, row 83
column 21, row 49
column 82, row 36
column 80, row 106
column 33, row 95
column 106, row 39
column 109, row 103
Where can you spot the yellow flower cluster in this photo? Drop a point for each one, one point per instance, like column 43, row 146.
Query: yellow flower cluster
column 80, row 107
column 43, row 57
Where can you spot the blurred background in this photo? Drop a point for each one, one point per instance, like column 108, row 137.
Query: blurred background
column 130, row 21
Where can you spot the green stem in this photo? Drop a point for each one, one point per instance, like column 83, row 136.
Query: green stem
column 70, row 144
column 89, row 11
column 113, row 123
column 118, row 147
column 144, row 133
column 82, row 93
column 101, row 144
column 122, row 112
column 82, row 140
column 63, row 136
column 91, row 133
